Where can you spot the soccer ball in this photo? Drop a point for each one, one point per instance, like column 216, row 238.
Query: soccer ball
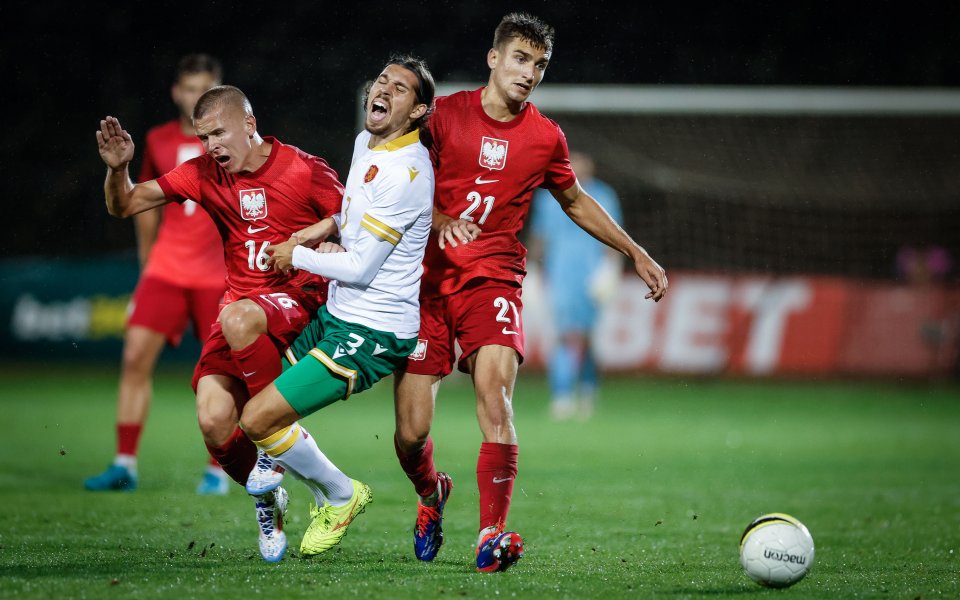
column 776, row 550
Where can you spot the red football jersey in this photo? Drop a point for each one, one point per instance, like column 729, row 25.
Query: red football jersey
column 290, row 191
column 187, row 252
column 486, row 172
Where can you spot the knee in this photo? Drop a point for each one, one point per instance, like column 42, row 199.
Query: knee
column 254, row 423
column 217, row 423
column 139, row 355
column 414, row 398
column 136, row 360
column 496, row 403
column 411, row 438
column 242, row 322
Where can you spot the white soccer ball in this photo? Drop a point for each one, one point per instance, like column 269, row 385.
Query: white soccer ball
column 776, row 550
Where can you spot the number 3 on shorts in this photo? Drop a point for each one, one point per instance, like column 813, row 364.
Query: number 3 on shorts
column 504, row 305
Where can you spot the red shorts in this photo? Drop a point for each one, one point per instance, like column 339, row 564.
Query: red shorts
column 288, row 312
column 166, row 308
column 485, row 312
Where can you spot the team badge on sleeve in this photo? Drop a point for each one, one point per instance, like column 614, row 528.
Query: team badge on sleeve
column 371, row 173
column 493, row 153
column 253, row 204
column 420, row 352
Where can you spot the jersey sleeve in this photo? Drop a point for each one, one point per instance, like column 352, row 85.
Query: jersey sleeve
column 183, row 182
column 402, row 192
column 327, row 189
column 359, row 266
column 559, row 175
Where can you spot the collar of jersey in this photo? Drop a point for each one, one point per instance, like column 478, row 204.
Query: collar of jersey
column 404, row 140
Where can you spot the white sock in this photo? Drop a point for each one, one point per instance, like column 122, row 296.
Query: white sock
column 217, row 472
column 305, row 460
column 127, row 461
column 486, row 531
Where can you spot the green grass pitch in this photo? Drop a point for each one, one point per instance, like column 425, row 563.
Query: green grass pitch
column 647, row 499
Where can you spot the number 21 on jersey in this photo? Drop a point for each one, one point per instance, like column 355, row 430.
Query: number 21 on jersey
column 475, row 200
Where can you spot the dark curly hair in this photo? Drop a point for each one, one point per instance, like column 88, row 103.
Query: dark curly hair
column 426, row 88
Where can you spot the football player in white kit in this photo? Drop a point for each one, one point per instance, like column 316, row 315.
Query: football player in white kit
column 370, row 322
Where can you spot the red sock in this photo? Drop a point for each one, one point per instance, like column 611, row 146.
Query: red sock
column 419, row 467
column 128, row 438
column 496, row 472
column 237, row 456
column 259, row 362
column 213, row 462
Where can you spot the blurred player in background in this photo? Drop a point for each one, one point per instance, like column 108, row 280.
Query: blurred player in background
column 182, row 280
column 369, row 325
column 491, row 149
column 580, row 274
column 258, row 191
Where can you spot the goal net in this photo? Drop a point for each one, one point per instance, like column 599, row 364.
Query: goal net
column 772, row 180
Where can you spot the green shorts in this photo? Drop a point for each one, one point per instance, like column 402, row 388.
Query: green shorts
column 332, row 359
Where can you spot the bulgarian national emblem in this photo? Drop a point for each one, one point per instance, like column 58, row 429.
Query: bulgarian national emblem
column 371, row 173
column 253, row 204
column 493, row 153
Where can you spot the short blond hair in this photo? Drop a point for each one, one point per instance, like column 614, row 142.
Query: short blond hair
column 222, row 95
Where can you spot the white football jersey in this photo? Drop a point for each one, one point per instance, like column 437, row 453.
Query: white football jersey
column 389, row 195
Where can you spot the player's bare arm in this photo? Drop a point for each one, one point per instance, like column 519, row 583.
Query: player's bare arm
column 586, row 212
column 123, row 197
column 316, row 233
column 453, row 231
column 281, row 255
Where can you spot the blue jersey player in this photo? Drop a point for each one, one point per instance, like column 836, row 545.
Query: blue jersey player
column 579, row 273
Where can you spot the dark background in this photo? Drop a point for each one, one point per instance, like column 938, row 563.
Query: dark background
column 67, row 66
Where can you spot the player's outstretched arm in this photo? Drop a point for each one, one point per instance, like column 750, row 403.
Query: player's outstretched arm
column 358, row 266
column 453, row 231
column 586, row 212
column 123, row 197
column 316, row 233
column 281, row 255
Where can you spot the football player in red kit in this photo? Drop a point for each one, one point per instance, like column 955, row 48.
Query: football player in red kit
column 491, row 149
column 258, row 191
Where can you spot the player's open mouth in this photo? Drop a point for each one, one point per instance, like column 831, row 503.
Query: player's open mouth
column 378, row 111
column 223, row 159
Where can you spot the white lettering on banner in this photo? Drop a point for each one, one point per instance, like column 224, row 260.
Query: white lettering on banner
column 625, row 333
column 692, row 331
column 697, row 322
column 771, row 302
column 33, row 321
